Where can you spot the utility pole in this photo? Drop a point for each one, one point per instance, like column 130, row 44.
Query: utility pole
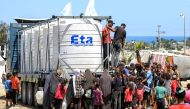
column 159, row 35
column 183, row 16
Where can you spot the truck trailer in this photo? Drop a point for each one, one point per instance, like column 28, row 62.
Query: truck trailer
column 69, row 42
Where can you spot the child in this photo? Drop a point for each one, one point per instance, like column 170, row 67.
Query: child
column 139, row 92
column 60, row 93
column 128, row 96
column 160, row 92
column 187, row 94
column 98, row 100
column 8, row 89
column 174, row 85
column 15, row 86
column 131, row 81
column 146, row 95
column 168, row 87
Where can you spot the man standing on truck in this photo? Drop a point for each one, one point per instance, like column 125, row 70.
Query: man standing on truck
column 15, row 85
column 107, row 42
column 118, row 43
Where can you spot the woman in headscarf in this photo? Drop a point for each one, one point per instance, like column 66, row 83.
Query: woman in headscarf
column 105, row 85
column 87, row 98
column 50, row 88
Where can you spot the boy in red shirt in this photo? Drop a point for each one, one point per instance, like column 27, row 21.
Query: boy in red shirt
column 15, row 85
column 139, row 93
column 174, row 85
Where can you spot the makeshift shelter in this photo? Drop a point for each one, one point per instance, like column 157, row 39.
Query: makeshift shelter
column 182, row 61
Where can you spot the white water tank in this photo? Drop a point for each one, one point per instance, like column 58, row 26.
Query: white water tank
column 74, row 43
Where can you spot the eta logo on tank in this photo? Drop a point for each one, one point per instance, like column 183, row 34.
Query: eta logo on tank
column 81, row 40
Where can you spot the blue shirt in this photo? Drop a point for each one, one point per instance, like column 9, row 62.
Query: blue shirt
column 8, row 86
column 149, row 78
column 127, row 72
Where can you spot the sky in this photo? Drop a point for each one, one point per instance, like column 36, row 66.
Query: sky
column 140, row 16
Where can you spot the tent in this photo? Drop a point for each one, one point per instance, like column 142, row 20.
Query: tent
column 182, row 61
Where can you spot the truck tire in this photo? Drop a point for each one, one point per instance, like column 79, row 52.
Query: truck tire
column 23, row 92
column 35, row 90
column 30, row 94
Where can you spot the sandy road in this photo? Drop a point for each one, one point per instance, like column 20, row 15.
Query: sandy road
column 3, row 103
column 2, row 106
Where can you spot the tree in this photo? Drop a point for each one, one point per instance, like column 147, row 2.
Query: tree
column 139, row 45
column 168, row 44
column 3, row 32
column 153, row 44
column 188, row 41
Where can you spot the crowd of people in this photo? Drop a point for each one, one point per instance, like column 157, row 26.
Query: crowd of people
column 12, row 88
column 136, row 86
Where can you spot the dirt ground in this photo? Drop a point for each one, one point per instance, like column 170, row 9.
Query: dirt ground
column 3, row 102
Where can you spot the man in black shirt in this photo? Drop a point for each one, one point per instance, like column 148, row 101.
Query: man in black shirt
column 118, row 43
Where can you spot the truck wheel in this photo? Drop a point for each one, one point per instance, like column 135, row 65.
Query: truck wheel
column 30, row 93
column 35, row 90
column 23, row 92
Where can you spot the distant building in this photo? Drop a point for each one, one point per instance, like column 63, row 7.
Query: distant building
column 180, row 43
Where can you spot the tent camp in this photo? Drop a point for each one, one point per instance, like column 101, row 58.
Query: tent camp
column 163, row 58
